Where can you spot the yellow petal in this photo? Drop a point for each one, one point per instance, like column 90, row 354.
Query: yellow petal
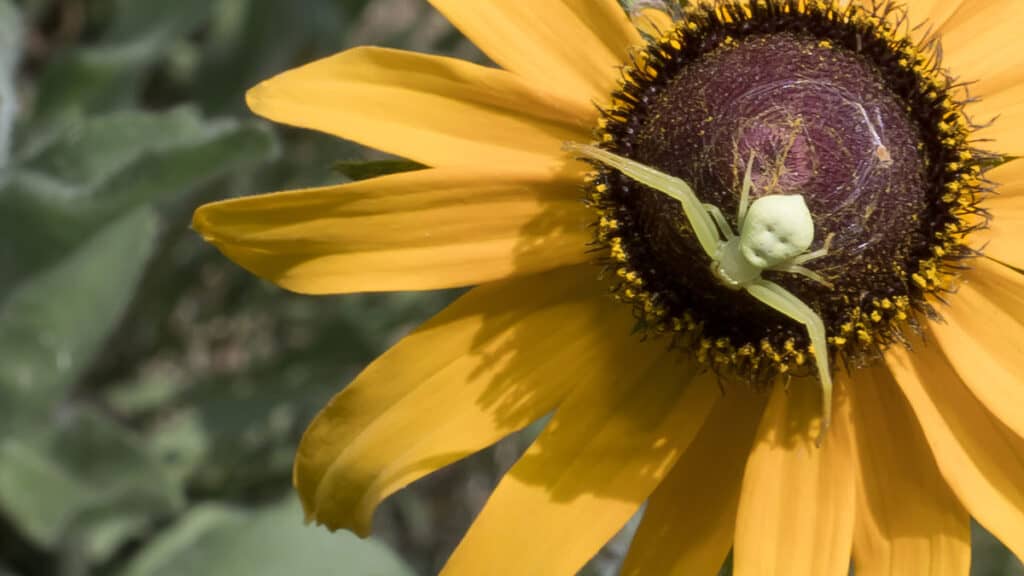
column 927, row 17
column 934, row 12
column 981, row 41
column 1004, row 237
column 437, row 111
column 652, row 21
column 908, row 520
column 924, row 18
column 1005, row 111
column 982, row 45
column 689, row 522
column 415, row 231
column 796, row 509
column 575, row 47
column 497, row 359
column 980, row 458
column 983, row 338
column 606, row 449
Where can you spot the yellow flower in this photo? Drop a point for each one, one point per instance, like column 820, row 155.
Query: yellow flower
column 921, row 439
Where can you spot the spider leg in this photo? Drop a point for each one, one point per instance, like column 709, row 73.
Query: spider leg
column 719, row 218
column 703, row 225
column 806, row 272
column 823, row 251
column 748, row 183
column 787, row 303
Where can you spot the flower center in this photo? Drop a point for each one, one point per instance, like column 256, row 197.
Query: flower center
column 826, row 102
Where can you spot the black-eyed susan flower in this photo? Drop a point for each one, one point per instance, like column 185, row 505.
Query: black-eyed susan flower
column 691, row 396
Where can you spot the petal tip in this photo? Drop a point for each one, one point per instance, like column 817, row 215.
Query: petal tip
column 255, row 98
column 201, row 223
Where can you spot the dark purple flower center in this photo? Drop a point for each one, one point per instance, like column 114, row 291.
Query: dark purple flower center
column 819, row 122
column 831, row 104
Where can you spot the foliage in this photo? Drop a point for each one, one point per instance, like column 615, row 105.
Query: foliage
column 151, row 394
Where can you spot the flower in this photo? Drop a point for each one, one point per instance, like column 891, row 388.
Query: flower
column 928, row 424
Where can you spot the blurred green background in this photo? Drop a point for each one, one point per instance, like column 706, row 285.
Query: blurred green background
column 151, row 393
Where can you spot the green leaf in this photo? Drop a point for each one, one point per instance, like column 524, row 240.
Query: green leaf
column 184, row 443
column 56, row 321
column 186, row 534
column 37, row 219
column 100, row 485
column 93, row 150
column 239, row 435
column 96, row 78
column 251, row 40
column 989, row 557
column 98, row 537
column 133, row 488
column 150, row 392
column 158, row 21
column 109, row 75
column 83, row 185
column 362, row 170
column 38, row 495
column 266, row 542
column 169, row 174
column 115, row 460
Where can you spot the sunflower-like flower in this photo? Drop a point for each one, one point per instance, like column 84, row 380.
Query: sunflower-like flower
column 694, row 398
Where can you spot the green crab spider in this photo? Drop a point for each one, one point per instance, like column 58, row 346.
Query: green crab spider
column 775, row 233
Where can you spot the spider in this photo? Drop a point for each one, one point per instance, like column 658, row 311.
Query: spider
column 775, row 233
